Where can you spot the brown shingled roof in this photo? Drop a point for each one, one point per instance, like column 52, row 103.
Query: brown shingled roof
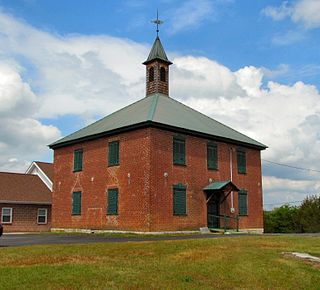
column 47, row 168
column 23, row 188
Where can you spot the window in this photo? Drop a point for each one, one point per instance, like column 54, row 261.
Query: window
column 241, row 160
column 243, row 202
column 179, row 151
column 179, row 200
column 112, row 207
column 42, row 215
column 76, row 203
column 77, row 160
column 162, row 74
column 113, row 153
column 212, row 156
column 6, row 216
column 151, row 74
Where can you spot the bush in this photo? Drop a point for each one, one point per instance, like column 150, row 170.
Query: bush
column 281, row 220
column 292, row 219
column 309, row 215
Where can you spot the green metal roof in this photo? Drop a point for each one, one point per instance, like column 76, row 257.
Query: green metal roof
column 219, row 185
column 160, row 111
column 157, row 52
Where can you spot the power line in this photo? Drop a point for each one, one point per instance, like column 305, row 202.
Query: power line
column 290, row 166
column 283, row 202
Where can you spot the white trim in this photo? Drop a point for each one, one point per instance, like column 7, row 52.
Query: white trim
column 46, row 216
column 46, row 180
column 2, row 215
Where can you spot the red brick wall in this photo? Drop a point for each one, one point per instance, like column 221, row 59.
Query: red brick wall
column 196, row 176
column 24, row 218
column 157, row 86
column 95, row 179
column 145, row 198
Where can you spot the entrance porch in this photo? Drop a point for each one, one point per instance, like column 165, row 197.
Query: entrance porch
column 217, row 194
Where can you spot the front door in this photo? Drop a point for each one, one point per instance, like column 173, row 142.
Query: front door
column 213, row 210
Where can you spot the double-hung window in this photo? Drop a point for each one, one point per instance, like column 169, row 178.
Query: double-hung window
column 179, row 199
column 179, row 151
column 42, row 216
column 113, row 153
column 112, row 206
column 241, row 161
column 212, row 156
column 243, row 202
column 77, row 160
column 6, row 215
column 76, row 203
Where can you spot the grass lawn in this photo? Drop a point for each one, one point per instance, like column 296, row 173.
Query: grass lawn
column 223, row 263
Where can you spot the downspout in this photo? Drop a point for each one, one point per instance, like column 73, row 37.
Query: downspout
column 232, row 205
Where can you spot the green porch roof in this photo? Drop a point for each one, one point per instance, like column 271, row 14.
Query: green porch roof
column 159, row 111
column 219, row 185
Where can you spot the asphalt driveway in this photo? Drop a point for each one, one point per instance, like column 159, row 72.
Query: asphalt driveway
column 14, row 240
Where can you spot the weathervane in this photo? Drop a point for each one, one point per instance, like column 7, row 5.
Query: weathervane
column 158, row 22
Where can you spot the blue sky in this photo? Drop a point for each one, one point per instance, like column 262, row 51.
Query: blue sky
column 253, row 65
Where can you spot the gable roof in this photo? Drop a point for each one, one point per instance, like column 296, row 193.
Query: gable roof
column 47, row 168
column 23, row 188
column 157, row 52
column 159, row 111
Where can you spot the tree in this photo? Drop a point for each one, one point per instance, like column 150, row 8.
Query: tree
column 309, row 215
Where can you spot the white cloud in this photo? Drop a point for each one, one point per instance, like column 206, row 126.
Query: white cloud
column 278, row 13
column 306, row 12
column 190, row 15
column 22, row 137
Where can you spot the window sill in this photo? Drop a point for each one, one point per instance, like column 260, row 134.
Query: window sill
column 113, row 214
column 213, row 169
column 41, row 224
column 74, row 171
column 176, row 214
column 113, row 165
column 76, row 214
column 7, row 223
column 242, row 215
column 179, row 164
column 244, row 173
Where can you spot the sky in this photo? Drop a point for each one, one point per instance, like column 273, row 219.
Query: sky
column 252, row 65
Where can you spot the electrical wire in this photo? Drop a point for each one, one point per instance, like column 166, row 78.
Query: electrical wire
column 278, row 203
column 290, row 166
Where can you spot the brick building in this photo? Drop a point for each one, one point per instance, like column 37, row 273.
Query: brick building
column 25, row 199
column 156, row 165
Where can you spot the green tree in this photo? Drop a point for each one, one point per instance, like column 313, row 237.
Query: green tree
column 309, row 215
column 281, row 220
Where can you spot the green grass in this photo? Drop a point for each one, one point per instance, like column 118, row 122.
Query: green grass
column 254, row 262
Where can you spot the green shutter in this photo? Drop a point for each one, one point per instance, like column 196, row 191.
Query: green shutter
column 77, row 160
column 243, row 202
column 76, row 203
column 179, row 201
column 179, row 151
column 241, row 161
column 212, row 156
column 113, row 153
column 112, row 207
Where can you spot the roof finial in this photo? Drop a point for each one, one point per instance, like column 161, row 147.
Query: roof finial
column 158, row 22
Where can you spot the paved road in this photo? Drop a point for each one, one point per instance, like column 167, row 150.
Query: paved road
column 14, row 240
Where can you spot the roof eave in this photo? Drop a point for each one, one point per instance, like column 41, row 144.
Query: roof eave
column 160, row 126
column 159, row 59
